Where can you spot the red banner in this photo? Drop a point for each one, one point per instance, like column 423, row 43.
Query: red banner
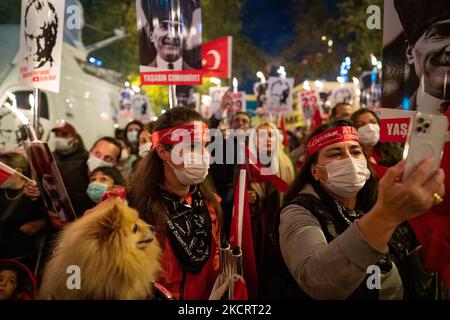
column 217, row 56
column 394, row 130
column 248, row 250
column 182, row 77
column 5, row 173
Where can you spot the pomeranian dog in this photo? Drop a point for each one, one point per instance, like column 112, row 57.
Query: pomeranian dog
column 116, row 252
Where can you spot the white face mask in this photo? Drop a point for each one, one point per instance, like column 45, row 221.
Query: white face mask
column 369, row 134
column 195, row 169
column 93, row 163
column 133, row 136
column 62, row 144
column 346, row 177
column 125, row 154
column 145, row 149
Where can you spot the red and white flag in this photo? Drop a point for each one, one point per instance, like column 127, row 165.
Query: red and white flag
column 217, row 57
column 6, row 172
column 317, row 119
column 282, row 127
column 241, row 235
column 240, row 291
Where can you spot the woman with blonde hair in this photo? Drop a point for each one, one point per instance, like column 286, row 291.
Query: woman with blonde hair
column 265, row 195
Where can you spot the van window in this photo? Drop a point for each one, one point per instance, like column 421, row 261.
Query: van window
column 24, row 101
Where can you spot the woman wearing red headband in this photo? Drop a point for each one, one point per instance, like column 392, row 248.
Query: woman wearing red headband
column 170, row 190
column 381, row 155
column 341, row 238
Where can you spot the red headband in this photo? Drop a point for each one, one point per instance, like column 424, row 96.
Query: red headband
column 331, row 136
column 197, row 131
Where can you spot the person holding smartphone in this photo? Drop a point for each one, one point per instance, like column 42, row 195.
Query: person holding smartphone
column 339, row 224
column 426, row 26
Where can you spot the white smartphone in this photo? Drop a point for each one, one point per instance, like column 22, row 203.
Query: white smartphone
column 426, row 137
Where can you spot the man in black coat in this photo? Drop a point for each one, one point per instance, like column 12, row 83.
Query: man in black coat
column 223, row 170
column 71, row 158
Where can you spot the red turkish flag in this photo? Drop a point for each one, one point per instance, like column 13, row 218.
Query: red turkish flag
column 240, row 289
column 248, row 250
column 217, row 56
column 5, row 172
column 317, row 119
column 283, row 129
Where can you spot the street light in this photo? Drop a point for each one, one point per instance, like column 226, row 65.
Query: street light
column 324, row 38
column 306, row 85
column 282, row 72
column 341, row 80
column 215, row 81
column 330, row 43
column 260, row 75
column 319, row 84
column 235, row 85
column 135, row 88
column 373, row 59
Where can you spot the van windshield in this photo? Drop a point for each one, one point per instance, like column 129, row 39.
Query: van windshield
column 25, row 100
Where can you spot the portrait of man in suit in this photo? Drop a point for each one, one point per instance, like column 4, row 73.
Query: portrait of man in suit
column 426, row 30
column 165, row 33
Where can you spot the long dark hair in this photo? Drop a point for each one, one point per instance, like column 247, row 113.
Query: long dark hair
column 390, row 152
column 144, row 192
column 366, row 196
column 134, row 147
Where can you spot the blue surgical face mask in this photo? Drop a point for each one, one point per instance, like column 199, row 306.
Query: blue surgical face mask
column 96, row 190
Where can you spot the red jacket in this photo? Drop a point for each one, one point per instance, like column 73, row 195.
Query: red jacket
column 379, row 169
column 194, row 286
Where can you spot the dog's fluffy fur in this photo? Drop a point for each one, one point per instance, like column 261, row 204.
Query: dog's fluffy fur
column 116, row 252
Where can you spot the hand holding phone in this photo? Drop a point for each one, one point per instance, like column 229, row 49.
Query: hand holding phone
column 426, row 138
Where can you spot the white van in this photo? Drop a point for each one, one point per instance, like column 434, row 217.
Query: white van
column 86, row 99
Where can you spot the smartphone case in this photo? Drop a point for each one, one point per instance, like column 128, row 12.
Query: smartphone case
column 426, row 137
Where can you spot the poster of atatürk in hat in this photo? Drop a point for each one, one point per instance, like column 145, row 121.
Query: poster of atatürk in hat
column 279, row 95
column 416, row 77
column 41, row 36
column 169, row 41
column 416, row 62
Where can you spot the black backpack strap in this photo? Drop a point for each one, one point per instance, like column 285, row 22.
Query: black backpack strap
column 317, row 208
column 282, row 284
column 9, row 211
column 327, row 222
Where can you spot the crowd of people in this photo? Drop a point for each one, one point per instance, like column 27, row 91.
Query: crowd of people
column 330, row 209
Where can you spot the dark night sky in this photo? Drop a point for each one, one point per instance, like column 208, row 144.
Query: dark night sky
column 269, row 24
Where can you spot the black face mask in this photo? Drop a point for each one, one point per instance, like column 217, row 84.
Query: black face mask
column 188, row 228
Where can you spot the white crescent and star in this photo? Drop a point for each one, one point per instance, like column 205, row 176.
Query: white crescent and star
column 216, row 56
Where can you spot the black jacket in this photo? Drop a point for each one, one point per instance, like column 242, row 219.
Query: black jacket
column 74, row 172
